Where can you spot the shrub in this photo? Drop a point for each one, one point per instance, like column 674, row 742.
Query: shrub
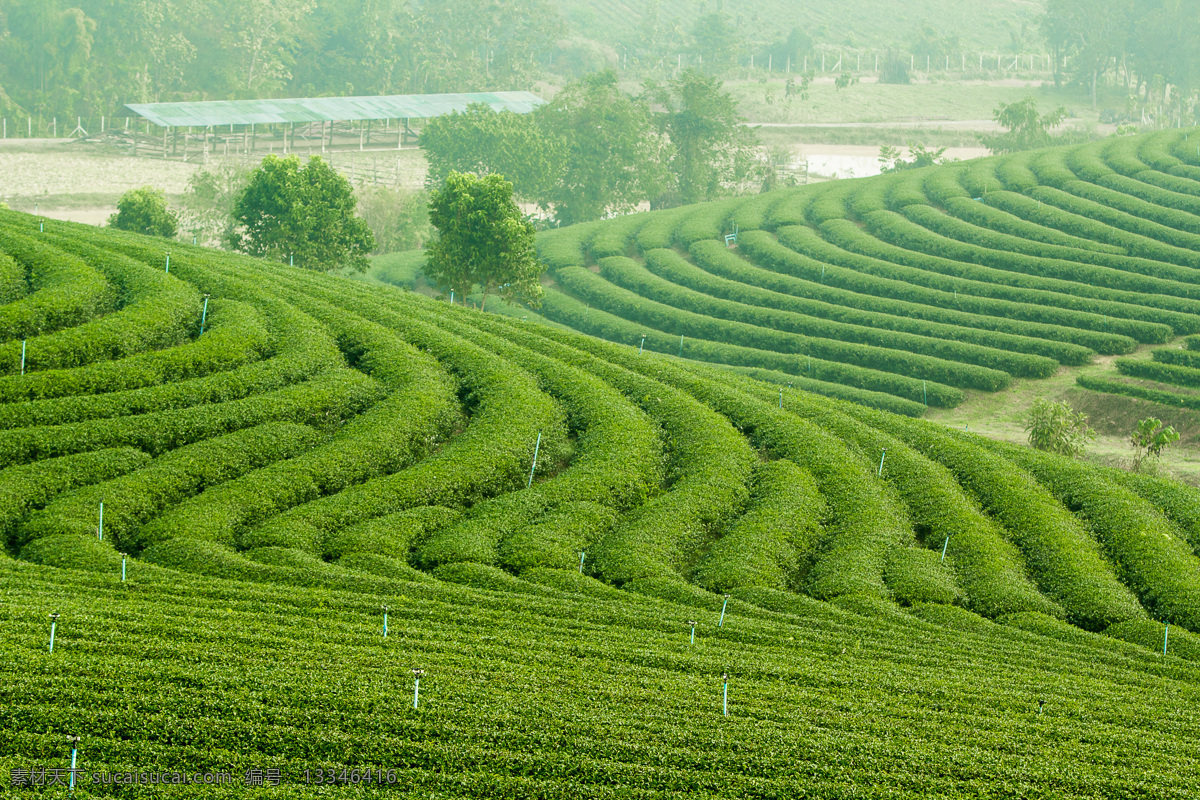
column 145, row 211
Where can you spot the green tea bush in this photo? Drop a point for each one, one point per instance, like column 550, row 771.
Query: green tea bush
column 1157, row 565
column 1064, row 561
column 137, row 497
column 28, row 487
column 64, row 291
column 783, row 269
column 699, row 324
column 983, row 215
column 1151, row 635
column 775, row 541
column 801, row 300
column 13, row 283
column 562, row 307
column 974, row 295
column 392, row 535
column 1174, row 374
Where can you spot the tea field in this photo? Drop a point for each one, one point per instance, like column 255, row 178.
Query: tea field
column 264, row 504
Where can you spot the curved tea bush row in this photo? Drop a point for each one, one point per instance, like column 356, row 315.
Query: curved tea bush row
column 491, row 456
column 990, row 570
column 569, row 311
column 978, row 296
column 1115, row 271
column 28, row 487
column 990, row 217
column 1101, row 384
column 306, row 351
column 775, row 541
column 13, row 280
column 896, row 236
column 1179, row 503
column 404, row 426
column 326, row 399
column 707, row 463
column 795, row 273
column 64, row 291
column 1054, row 208
column 1160, row 568
column 706, row 221
column 864, row 520
column 157, row 310
column 621, row 302
column 648, row 282
column 235, row 334
column 137, row 497
column 1142, row 236
column 1159, row 371
column 1061, row 557
column 612, row 238
column 801, row 300
column 870, row 399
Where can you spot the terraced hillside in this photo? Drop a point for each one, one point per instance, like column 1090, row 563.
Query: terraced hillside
column 260, row 498
column 910, row 289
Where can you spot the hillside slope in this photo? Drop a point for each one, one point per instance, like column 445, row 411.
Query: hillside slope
column 223, row 473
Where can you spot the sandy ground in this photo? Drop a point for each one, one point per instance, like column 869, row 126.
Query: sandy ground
column 861, row 161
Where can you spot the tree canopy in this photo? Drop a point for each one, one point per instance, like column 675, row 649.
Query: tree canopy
column 145, row 211
column 303, row 214
column 597, row 150
column 482, row 240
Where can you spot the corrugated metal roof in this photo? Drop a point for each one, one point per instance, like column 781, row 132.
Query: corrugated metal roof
column 320, row 109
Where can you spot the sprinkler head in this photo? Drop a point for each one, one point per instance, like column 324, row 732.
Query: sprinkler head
column 54, row 615
column 418, row 672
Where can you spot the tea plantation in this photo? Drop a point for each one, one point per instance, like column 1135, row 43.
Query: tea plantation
column 908, row 290
column 259, row 500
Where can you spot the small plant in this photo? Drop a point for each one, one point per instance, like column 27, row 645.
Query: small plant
column 1149, row 440
column 1057, row 428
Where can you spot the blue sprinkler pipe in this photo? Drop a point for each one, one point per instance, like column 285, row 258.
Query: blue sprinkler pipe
column 693, row 624
column 721, row 621
column 533, row 466
column 204, row 315
column 879, row 473
column 53, row 625
column 123, row 559
column 725, row 694
column 417, row 673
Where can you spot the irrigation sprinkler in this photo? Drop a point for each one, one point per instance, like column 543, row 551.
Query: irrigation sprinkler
column 879, row 472
column 41, row 226
column 1166, row 631
column 168, row 269
column 1041, row 705
column 23, row 342
column 417, row 673
column 124, row 558
column 100, row 528
column 693, row 624
column 451, row 297
column 53, row 627
column 204, row 315
column 582, row 553
column 781, row 397
column 681, row 345
column 385, row 613
column 642, row 345
column 721, row 621
column 944, row 546
column 725, row 694
column 537, row 446
column 74, row 740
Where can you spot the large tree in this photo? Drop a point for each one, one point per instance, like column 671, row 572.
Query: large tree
column 613, row 156
column 302, row 214
column 482, row 240
column 480, row 141
column 714, row 150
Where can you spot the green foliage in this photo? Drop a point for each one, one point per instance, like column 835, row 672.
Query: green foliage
column 1055, row 427
column 611, row 161
column 713, row 150
column 145, row 211
column 300, row 214
column 1027, row 129
column 398, row 218
column 482, row 239
column 209, row 202
column 1149, row 440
